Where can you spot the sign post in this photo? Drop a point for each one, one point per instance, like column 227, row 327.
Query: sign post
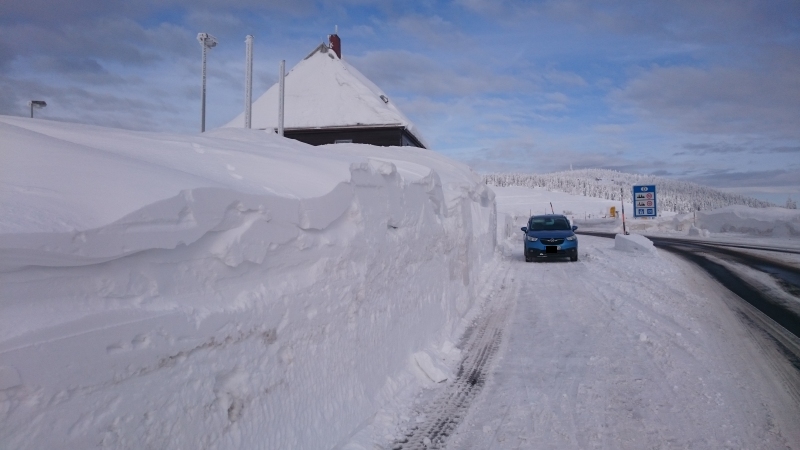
column 622, row 202
column 644, row 201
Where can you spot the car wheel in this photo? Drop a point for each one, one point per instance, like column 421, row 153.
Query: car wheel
column 574, row 258
column 527, row 258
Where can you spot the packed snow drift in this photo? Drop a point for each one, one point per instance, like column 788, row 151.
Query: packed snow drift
column 227, row 290
column 634, row 243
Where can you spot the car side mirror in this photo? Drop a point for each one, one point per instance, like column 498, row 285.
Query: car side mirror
column 524, row 229
column 574, row 227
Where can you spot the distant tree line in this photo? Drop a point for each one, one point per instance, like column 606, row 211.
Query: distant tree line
column 672, row 195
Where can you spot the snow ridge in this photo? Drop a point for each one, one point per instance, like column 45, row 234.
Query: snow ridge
column 265, row 311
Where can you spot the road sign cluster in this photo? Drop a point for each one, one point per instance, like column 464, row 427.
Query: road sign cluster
column 644, row 201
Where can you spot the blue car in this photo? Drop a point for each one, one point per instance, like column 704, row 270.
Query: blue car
column 550, row 236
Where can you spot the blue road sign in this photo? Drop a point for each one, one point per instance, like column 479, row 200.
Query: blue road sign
column 644, row 201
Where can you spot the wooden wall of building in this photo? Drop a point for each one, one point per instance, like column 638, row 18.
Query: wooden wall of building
column 384, row 137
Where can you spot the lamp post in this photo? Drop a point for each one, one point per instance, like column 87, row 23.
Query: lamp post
column 207, row 41
column 36, row 104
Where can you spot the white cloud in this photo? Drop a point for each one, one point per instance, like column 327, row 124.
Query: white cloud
column 609, row 128
column 719, row 100
column 360, row 31
column 433, row 30
column 564, row 78
column 421, row 74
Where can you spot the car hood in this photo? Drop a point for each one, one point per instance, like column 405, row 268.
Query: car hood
column 551, row 234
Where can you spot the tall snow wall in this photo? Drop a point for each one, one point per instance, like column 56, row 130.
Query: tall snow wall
column 773, row 221
column 230, row 290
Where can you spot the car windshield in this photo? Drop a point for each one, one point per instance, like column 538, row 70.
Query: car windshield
column 548, row 224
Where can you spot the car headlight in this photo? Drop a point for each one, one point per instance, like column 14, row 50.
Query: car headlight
column 531, row 238
column 571, row 238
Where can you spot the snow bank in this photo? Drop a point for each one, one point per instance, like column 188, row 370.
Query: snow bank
column 777, row 222
column 701, row 232
column 225, row 290
column 743, row 220
column 434, row 370
column 634, row 243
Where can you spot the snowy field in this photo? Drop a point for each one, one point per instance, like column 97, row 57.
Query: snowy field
column 238, row 290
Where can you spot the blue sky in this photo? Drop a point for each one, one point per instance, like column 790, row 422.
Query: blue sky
column 705, row 91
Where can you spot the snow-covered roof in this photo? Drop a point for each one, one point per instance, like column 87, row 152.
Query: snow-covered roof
column 323, row 91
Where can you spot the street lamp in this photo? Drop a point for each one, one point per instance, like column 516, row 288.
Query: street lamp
column 207, row 41
column 36, row 104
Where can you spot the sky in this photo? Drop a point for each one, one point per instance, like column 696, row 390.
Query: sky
column 705, row 91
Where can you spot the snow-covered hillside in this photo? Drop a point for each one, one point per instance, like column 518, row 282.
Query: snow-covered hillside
column 735, row 222
column 673, row 195
column 226, row 290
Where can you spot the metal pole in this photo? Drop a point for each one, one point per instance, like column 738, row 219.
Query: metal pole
column 248, row 82
column 622, row 200
column 207, row 41
column 281, row 96
column 203, row 94
column 31, row 110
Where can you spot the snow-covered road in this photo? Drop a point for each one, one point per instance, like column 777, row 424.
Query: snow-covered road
column 626, row 350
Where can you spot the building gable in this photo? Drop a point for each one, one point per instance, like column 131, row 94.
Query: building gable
column 323, row 92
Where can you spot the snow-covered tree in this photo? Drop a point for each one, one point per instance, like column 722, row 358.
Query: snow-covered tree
column 673, row 195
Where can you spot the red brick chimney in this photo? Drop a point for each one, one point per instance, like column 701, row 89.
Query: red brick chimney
column 336, row 43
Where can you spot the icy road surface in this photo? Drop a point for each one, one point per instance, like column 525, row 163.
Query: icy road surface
column 628, row 351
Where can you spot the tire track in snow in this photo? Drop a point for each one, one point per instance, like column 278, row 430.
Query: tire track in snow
column 481, row 341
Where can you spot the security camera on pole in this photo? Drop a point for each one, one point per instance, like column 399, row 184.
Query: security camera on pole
column 207, row 41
